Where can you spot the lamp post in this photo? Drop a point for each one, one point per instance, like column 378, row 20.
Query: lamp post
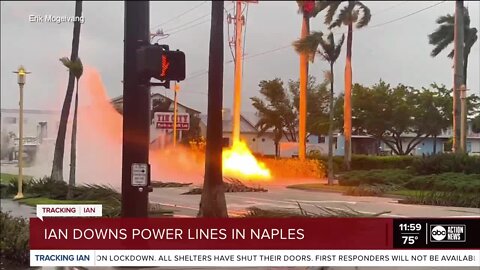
column 22, row 74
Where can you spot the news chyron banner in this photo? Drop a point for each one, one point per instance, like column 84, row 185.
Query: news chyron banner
column 254, row 242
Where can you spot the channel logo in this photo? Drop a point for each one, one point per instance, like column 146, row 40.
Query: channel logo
column 448, row 233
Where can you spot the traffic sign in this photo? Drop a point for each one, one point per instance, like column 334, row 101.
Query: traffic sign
column 139, row 174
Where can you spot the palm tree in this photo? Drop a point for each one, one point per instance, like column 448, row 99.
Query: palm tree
column 76, row 68
column 212, row 203
column 308, row 10
column 443, row 36
column 329, row 52
column 355, row 12
column 57, row 167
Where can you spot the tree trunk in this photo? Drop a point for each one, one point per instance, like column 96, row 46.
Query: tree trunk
column 57, row 167
column 73, row 151
column 465, row 117
column 276, row 150
column 330, row 131
column 434, row 144
column 347, row 110
column 212, row 203
column 302, row 129
column 465, row 67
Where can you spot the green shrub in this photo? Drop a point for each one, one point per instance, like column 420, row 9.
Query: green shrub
column 440, row 198
column 364, row 162
column 459, row 182
column 14, row 239
column 447, row 162
column 47, row 187
column 9, row 187
column 368, row 190
column 383, row 177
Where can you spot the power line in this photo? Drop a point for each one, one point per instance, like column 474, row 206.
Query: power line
column 406, row 16
column 368, row 27
column 188, row 27
column 390, row 7
column 178, row 16
column 177, row 27
column 289, row 45
column 180, row 29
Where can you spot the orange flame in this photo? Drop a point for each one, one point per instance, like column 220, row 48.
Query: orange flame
column 238, row 161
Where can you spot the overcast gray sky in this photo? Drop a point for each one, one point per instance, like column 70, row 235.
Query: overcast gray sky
column 397, row 52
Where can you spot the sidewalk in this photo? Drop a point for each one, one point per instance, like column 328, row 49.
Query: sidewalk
column 16, row 209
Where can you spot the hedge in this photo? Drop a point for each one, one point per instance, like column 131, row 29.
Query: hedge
column 375, row 177
column 447, row 162
column 364, row 162
column 450, row 182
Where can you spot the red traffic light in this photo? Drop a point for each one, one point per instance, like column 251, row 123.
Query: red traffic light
column 154, row 61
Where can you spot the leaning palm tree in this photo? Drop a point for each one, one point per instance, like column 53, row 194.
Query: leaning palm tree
column 212, row 202
column 329, row 51
column 443, row 36
column 355, row 12
column 308, row 10
column 76, row 68
column 57, row 167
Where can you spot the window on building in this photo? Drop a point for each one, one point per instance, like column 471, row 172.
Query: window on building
column 263, row 139
column 10, row 120
column 253, row 139
column 321, row 139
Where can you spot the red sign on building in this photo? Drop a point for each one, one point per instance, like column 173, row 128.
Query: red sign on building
column 164, row 120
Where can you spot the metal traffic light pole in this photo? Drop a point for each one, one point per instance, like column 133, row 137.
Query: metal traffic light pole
column 136, row 114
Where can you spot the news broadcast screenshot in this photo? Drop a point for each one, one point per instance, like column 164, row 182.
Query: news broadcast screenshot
column 240, row 135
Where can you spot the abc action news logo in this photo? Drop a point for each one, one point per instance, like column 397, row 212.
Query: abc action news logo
column 447, row 233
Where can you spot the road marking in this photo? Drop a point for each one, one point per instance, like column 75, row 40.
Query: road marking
column 304, row 201
column 176, row 205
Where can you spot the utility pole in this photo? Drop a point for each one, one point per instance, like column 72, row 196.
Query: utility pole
column 136, row 114
column 458, row 74
column 22, row 73
column 463, row 123
column 176, row 89
column 302, row 125
column 237, row 98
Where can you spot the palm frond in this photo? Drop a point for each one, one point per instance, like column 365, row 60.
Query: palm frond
column 447, row 19
column 470, row 38
column 451, row 54
column 366, row 15
column 77, row 68
column 332, row 9
column 466, row 18
column 309, row 44
column 440, row 47
column 342, row 17
column 441, row 38
column 66, row 62
column 338, row 48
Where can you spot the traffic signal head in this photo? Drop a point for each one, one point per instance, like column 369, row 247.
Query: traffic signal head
column 157, row 62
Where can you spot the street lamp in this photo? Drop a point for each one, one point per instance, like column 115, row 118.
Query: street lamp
column 22, row 74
